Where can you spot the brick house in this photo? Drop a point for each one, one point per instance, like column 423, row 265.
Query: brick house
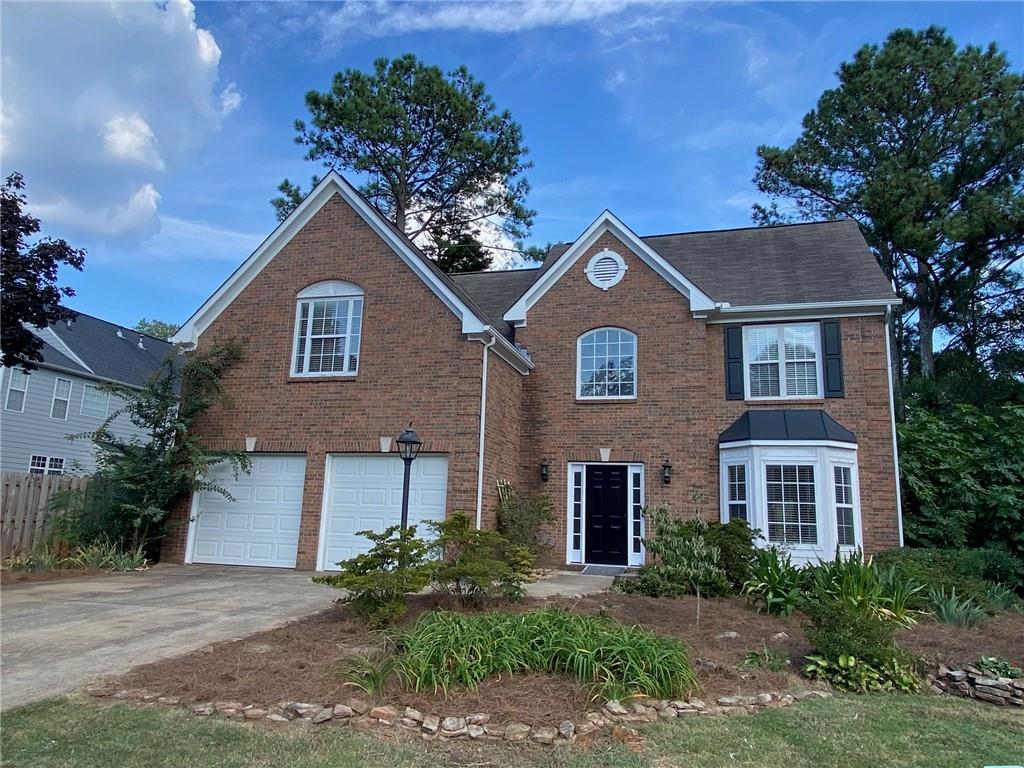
column 731, row 373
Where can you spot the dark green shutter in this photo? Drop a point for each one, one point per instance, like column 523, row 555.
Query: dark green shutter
column 734, row 362
column 832, row 358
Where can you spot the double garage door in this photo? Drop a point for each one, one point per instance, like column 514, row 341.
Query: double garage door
column 260, row 526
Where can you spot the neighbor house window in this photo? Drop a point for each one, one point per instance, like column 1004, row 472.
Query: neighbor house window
column 17, row 388
column 782, row 361
column 792, row 512
column 843, row 483
column 328, row 326
column 46, row 465
column 61, row 399
column 95, row 401
column 606, row 365
column 737, row 480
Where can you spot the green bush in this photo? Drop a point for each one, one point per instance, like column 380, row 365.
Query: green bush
column 886, row 593
column 736, row 543
column 521, row 517
column 766, row 658
column 398, row 564
column 838, row 628
column 968, row 571
column 774, row 583
column 997, row 667
column 475, row 565
column 39, row 559
column 951, row 608
column 106, row 555
column 445, row 650
column 858, row 676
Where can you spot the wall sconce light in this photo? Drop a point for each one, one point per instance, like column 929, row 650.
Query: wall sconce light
column 666, row 472
column 545, row 470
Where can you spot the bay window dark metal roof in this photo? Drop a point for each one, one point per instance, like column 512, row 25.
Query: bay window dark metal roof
column 792, row 425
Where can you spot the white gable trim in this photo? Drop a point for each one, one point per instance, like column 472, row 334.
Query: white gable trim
column 608, row 222
column 332, row 184
column 47, row 334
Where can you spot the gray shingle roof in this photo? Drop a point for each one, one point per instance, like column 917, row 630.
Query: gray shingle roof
column 95, row 342
column 786, row 425
column 790, row 264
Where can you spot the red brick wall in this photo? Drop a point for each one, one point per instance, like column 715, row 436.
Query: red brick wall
column 504, row 421
column 415, row 364
column 681, row 407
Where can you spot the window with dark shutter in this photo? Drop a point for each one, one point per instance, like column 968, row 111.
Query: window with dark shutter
column 832, row 358
column 734, row 362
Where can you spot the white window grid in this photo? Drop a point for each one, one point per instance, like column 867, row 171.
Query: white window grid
column 328, row 332
column 61, row 399
column 737, row 479
column 95, row 401
column 782, row 361
column 46, row 465
column 846, row 530
column 606, row 365
column 791, row 504
column 17, row 390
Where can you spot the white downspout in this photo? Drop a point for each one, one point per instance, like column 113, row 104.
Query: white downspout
column 483, row 424
column 892, row 421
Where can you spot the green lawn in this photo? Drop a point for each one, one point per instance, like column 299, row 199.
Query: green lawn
column 847, row 731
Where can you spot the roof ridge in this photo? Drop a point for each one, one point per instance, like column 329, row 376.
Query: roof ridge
column 753, row 227
column 117, row 325
column 493, row 271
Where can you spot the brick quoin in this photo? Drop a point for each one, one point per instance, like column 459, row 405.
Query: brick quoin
column 415, row 364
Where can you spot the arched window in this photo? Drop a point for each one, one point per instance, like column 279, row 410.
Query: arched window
column 606, row 365
column 328, row 326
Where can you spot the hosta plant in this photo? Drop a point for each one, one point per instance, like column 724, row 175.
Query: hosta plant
column 998, row 667
column 849, row 673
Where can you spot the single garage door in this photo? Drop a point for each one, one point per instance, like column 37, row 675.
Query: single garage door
column 365, row 493
column 261, row 525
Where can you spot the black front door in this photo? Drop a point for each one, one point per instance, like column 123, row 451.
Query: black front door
column 606, row 514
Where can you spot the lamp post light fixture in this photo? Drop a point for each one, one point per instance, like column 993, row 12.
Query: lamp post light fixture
column 408, row 446
column 666, row 472
column 545, row 470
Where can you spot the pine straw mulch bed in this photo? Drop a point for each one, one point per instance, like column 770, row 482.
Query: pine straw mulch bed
column 299, row 661
column 9, row 578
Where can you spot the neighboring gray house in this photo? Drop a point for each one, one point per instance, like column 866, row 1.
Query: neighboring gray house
column 63, row 395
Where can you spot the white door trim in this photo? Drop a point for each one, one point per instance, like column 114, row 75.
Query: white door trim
column 632, row 559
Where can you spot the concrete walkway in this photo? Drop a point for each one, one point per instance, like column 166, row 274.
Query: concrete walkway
column 56, row 636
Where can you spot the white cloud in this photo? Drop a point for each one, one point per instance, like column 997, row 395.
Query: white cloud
column 100, row 100
column 129, row 137
column 743, row 200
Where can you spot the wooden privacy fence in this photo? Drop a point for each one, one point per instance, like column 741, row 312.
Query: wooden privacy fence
column 27, row 520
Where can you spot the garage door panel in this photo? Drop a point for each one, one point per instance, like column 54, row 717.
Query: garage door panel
column 260, row 526
column 365, row 493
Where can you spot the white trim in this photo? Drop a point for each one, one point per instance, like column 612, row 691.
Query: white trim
column 781, row 361
column 505, row 349
column 329, row 289
column 784, row 443
column 24, row 392
column 322, row 528
column 892, row 422
column 591, row 273
column 608, row 222
column 631, row 468
column 106, row 408
column 332, row 184
column 483, row 427
column 52, row 338
column 579, row 360
column 193, row 518
column 351, row 298
column 53, row 401
column 722, row 309
column 46, row 469
column 789, row 315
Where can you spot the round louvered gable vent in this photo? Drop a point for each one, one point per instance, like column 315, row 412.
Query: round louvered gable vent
column 605, row 269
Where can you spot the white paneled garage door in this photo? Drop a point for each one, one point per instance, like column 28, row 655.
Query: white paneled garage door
column 261, row 525
column 365, row 493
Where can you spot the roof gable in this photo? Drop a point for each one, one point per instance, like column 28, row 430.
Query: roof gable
column 472, row 317
column 607, row 222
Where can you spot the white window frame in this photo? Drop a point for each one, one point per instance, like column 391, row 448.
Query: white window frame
column 327, row 290
column 106, row 403
column 727, row 500
column 823, row 455
column 575, row 556
column 24, row 390
column 48, row 467
column 66, row 400
column 780, row 331
column 579, row 365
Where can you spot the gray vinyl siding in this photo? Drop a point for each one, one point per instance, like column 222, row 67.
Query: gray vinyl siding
column 33, row 432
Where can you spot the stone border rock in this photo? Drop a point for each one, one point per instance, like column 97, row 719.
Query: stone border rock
column 970, row 682
column 614, row 715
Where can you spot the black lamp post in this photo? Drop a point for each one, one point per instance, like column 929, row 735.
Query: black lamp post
column 408, row 446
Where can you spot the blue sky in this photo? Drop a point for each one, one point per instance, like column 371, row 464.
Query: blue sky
column 154, row 136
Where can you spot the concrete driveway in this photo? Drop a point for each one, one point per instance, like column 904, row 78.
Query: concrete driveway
column 56, row 636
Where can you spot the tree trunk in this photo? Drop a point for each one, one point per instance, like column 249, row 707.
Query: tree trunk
column 896, row 361
column 926, row 331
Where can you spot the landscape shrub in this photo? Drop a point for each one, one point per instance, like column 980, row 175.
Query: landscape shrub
column 475, row 565
column 41, row 558
column 736, row 543
column 766, row 658
column 886, row 593
column 397, row 564
column 521, row 517
column 101, row 555
column 445, row 650
column 774, row 583
column 997, row 667
column 969, row 571
column 858, row 676
column 951, row 608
